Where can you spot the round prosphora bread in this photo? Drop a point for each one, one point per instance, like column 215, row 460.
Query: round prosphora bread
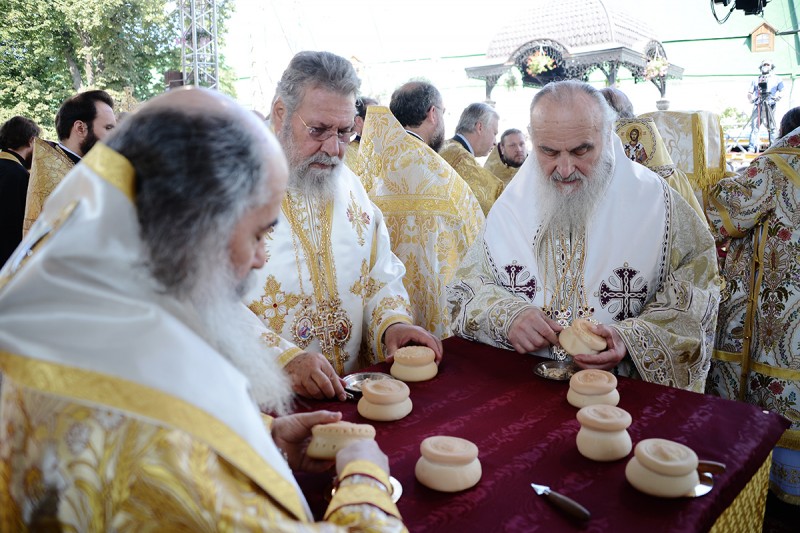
column 384, row 400
column 327, row 439
column 448, row 464
column 592, row 386
column 664, row 468
column 578, row 339
column 414, row 363
column 603, row 435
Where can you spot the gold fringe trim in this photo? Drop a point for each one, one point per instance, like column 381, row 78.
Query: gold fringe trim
column 790, row 440
column 746, row 512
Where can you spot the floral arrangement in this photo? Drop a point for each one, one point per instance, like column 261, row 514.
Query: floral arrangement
column 539, row 62
column 656, row 68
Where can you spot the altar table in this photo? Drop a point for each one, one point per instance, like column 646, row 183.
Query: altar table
column 525, row 431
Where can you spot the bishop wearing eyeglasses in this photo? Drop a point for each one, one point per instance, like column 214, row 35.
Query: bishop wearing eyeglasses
column 332, row 290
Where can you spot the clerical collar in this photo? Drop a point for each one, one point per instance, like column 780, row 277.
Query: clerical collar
column 68, row 150
column 463, row 140
column 415, row 135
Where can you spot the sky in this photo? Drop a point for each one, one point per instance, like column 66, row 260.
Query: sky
column 393, row 41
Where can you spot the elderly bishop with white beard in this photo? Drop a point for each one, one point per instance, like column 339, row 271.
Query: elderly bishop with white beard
column 583, row 232
column 331, row 287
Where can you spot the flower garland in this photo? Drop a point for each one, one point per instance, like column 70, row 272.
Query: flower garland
column 539, row 62
column 656, row 68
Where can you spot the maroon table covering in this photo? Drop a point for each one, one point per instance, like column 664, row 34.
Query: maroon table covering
column 525, row 431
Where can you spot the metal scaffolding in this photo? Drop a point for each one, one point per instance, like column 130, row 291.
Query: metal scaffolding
column 199, row 50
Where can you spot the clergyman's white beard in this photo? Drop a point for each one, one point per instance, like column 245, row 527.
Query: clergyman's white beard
column 569, row 210
column 318, row 184
column 227, row 326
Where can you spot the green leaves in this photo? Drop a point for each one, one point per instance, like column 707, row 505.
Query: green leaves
column 51, row 50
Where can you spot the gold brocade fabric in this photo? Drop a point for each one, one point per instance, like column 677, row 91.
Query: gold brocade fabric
column 496, row 166
column 746, row 512
column 695, row 141
column 83, row 467
column 49, row 167
column 485, row 185
column 431, row 213
column 655, row 156
column 350, row 154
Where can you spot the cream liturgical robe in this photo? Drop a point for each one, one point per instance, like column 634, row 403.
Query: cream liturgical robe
column 115, row 415
column 331, row 283
column 648, row 269
column 756, row 359
column 485, row 185
column 431, row 213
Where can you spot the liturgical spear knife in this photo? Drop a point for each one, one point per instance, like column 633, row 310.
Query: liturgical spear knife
column 568, row 505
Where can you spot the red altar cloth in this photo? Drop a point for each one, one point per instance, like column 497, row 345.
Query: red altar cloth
column 525, row 431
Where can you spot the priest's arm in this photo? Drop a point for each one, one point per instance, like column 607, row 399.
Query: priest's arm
column 480, row 309
column 737, row 204
column 670, row 342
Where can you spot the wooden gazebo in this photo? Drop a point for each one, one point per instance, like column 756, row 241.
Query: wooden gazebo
column 575, row 37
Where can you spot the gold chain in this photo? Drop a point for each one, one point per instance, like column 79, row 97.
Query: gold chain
column 326, row 321
column 575, row 279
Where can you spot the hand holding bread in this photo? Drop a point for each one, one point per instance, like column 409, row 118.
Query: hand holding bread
column 604, row 359
column 291, row 434
column 328, row 439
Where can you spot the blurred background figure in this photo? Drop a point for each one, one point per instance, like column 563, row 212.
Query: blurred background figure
column 765, row 91
column 16, row 145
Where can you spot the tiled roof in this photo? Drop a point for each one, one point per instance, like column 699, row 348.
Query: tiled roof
column 579, row 25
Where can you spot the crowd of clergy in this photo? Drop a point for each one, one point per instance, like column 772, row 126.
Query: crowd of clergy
column 173, row 281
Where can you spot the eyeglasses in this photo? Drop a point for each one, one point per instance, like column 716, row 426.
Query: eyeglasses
column 323, row 134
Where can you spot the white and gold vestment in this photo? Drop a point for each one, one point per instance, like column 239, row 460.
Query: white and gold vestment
column 646, row 266
column 432, row 215
column 115, row 414
column 331, row 283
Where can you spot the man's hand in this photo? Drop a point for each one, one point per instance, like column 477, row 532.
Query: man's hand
column 608, row 359
column 292, row 433
column 533, row 330
column 365, row 449
column 313, row 377
column 401, row 334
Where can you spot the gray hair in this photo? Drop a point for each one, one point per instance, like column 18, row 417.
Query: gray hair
column 474, row 113
column 196, row 175
column 316, row 69
column 618, row 101
column 563, row 93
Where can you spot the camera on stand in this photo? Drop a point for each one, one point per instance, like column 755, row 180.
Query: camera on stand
column 762, row 86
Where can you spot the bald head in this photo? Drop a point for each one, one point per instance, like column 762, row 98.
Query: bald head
column 202, row 163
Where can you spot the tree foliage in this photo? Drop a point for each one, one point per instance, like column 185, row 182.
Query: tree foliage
column 52, row 50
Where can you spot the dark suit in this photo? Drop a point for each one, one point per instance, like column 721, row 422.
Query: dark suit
column 13, row 189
